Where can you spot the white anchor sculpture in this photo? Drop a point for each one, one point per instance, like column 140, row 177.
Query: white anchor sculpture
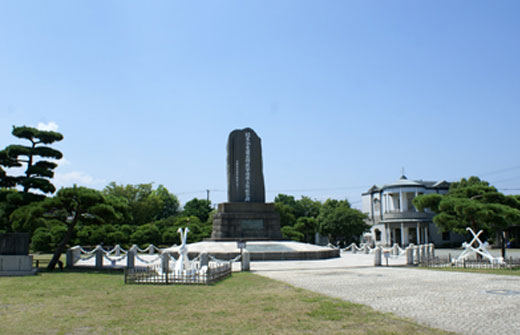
column 183, row 263
column 481, row 249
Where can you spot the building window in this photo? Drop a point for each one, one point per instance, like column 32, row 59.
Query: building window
column 446, row 236
column 409, row 202
column 412, row 235
column 377, row 205
column 378, row 234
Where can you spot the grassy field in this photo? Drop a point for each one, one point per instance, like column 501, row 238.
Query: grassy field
column 100, row 303
column 44, row 259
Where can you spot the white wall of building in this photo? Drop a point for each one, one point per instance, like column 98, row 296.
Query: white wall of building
column 365, row 204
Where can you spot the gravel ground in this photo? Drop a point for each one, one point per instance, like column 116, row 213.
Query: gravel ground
column 465, row 303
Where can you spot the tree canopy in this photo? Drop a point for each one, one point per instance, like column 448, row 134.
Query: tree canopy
column 199, row 208
column 472, row 203
column 291, row 210
column 62, row 213
column 144, row 203
column 35, row 156
column 20, row 190
column 340, row 222
column 302, row 218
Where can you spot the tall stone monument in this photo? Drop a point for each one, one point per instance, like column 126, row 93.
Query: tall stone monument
column 244, row 167
column 245, row 215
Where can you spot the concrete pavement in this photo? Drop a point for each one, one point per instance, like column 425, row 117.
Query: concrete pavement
column 466, row 303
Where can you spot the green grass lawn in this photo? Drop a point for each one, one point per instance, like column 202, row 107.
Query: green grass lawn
column 44, row 260
column 100, row 303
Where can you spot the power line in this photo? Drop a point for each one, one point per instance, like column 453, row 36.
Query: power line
column 320, row 189
column 500, row 171
column 507, row 179
column 198, row 191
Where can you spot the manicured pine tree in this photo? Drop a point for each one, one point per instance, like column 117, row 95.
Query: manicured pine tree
column 472, row 203
column 68, row 207
column 35, row 157
column 17, row 191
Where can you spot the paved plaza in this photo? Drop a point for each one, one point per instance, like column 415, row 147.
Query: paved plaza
column 466, row 303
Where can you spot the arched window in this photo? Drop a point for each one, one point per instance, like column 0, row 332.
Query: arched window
column 378, row 234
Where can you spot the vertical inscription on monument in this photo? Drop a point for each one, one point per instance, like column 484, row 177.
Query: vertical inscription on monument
column 237, row 183
column 247, row 177
column 244, row 163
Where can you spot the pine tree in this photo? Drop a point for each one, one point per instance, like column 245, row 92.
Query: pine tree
column 17, row 191
column 39, row 170
column 472, row 203
column 67, row 208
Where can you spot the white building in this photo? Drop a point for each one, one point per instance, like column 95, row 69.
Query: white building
column 394, row 219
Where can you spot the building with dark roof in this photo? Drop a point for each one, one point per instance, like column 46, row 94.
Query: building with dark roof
column 394, row 219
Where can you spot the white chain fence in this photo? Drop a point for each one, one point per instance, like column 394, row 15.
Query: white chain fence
column 220, row 261
column 117, row 256
column 363, row 248
column 100, row 257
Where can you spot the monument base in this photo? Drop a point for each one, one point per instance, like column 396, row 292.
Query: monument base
column 16, row 265
column 246, row 221
column 259, row 250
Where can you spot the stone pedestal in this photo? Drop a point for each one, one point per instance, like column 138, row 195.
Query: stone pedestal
column 16, row 265
column 14, row 255
column 246, row 221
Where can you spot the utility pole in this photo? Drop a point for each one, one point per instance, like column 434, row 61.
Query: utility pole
column 207, row 195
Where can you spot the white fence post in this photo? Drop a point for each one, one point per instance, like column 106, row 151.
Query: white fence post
column 165, row 263
column 130, row 257
column 204, row 259
column 244, row 261
column 73, row 255
column 409, row 254
column 423, row 253
column 377, row 257
column 99, row 257
column 395, row 250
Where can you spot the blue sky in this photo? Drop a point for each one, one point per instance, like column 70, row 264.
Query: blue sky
column 344, row 94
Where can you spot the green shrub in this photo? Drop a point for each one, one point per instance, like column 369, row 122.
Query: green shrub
column 42, row 240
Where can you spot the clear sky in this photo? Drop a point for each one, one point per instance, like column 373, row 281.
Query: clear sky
column 344, row 94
